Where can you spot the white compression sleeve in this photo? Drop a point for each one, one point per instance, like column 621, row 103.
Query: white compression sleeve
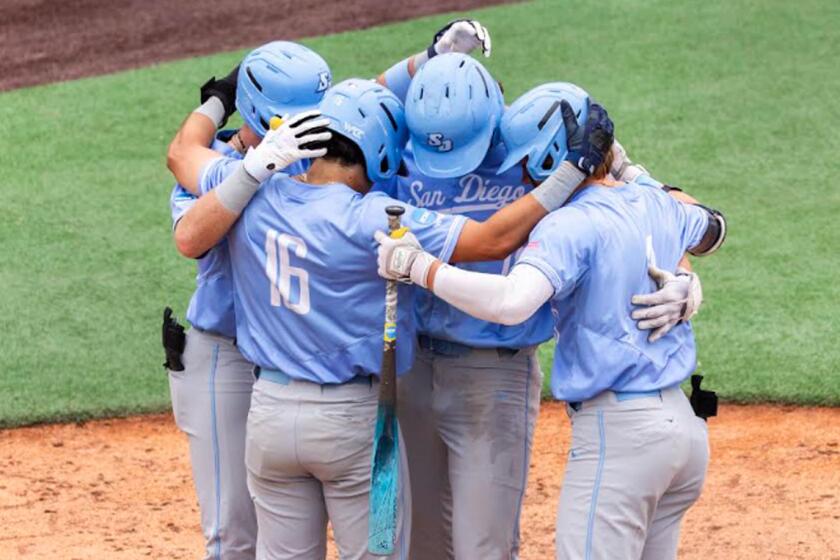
column 508, row 300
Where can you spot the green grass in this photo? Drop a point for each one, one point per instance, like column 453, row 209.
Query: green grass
column 734, row 100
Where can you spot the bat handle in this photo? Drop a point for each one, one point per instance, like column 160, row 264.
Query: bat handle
column 394, row 215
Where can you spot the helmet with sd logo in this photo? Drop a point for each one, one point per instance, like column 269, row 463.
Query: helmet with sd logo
column 371, row 117
column 279, row 78
column 533, row 127
column 453, row 107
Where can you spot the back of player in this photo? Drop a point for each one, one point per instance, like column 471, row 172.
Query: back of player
column 639, row 453
column 310, row 311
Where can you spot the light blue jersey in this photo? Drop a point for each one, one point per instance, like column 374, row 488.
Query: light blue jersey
column 477, row 195
column 595, row 252
column 309, row 301
column 211, row 305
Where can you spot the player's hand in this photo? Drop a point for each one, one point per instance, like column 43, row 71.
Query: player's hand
column 462, row 36
column 285, row 144
column 224, row 90
column 678, row 299
column 588, row 144
column 623, row 168
column 402, row 259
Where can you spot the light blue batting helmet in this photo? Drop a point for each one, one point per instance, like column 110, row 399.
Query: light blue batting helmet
column 279, row 78
column 373, row 118
column 533, row 127
column 453, row 107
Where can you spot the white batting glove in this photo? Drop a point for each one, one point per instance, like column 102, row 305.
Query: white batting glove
column 402, row 259
column 463, row 36
column 678, row 299
column 283, row 145
column 622, row 168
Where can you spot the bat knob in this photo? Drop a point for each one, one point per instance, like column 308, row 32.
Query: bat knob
column 275, row 122
column 395, row 210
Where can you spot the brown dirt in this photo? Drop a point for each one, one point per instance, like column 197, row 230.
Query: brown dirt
column 45, row 41
column 121, row 489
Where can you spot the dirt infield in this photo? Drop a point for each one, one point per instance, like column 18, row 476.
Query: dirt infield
column 121, row 489
column 45, row 41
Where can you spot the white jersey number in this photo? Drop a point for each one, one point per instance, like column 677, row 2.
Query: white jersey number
column 280, row 271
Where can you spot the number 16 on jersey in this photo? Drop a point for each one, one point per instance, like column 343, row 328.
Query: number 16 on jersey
column 280, row 271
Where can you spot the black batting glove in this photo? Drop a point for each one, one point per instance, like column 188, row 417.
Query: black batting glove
column 224, row 90
column 589, row 144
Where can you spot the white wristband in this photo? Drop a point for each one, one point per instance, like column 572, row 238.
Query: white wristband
column 420, row 269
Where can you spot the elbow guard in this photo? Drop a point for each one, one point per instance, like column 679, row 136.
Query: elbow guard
column 715, row 234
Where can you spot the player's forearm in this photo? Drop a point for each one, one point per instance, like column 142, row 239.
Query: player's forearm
column 501, row 234
column 189, row 151
column 209, row 221
column 507, row 300
column 398, row 77
column 203, row 226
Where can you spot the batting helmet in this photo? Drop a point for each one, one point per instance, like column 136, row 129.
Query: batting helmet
column 371, row 117
column 533, row 127
column 279, row 78
column 453, row 107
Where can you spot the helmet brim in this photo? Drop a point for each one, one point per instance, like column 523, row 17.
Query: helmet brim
column 513, row 158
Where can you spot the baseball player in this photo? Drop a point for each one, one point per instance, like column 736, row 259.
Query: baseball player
column 639, row 453
column 211, row 382
column 309, row 312
column 469, row 406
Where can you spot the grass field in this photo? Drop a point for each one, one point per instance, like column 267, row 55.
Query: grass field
column 733, row 100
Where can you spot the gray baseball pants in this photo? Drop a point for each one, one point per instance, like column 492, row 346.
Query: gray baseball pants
column 468, row 422
column 210, row 400
column 308, row 455
column 637, row 463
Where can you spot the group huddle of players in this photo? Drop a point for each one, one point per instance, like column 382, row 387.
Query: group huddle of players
column 526, row 222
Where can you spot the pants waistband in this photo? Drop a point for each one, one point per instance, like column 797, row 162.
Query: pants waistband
column 452, row 349
column 609, row 397
column 214, row 336
column 277, row 376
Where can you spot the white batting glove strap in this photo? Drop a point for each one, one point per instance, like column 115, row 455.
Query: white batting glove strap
column 282, row 146
column 695, row 294
column 464, row 37
column 678, row 299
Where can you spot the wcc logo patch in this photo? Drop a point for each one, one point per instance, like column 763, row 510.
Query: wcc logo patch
column 439, row 141
column 324, row 81
column 423, row 217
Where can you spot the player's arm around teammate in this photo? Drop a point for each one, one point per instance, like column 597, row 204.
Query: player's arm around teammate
column 458, row 36
column 211, row 394
column 639, row 453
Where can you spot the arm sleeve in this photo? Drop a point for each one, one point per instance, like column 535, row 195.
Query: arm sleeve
column 561, row 247
column 216, row 171
column 694, row 225
column 437, row 232
column 180, row 201
column 397, row 79
column 508, row 300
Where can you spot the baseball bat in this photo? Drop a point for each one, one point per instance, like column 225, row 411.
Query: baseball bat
column 385, row 466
